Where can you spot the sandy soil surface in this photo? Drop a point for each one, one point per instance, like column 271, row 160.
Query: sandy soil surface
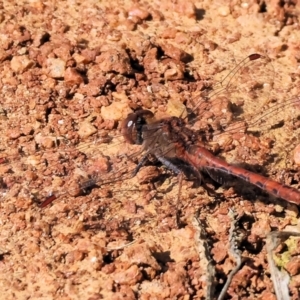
column 71, row 71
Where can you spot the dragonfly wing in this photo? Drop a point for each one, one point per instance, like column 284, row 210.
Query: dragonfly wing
column 216, row 175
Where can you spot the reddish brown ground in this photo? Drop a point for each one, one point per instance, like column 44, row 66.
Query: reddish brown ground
column 70, row 72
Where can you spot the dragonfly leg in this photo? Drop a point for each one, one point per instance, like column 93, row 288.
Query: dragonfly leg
column 163, row 160
column 140, row 164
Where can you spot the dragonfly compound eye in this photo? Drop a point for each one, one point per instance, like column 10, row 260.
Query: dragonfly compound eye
column 129, row 128
column 132, row 126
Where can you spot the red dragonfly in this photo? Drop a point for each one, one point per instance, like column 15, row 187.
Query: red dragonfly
column 171, row 137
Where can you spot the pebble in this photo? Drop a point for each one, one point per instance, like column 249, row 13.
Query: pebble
column 21, row 63
column 224, row 11
column 175, row 52
column 116, row 111
column 139, row 12
column 86, row 129
column 72, row 77
column 176, row 108
column 55, row 67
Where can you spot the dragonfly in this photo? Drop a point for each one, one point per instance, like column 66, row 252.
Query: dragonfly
column 174, row 137
column 171, row 138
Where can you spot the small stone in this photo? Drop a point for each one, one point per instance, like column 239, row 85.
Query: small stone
column 127, row 25
column 21, row 63
column 293, row 266
column 86, row 129
column 27, row 129
column 223, row 11
column 32, row 248
column 113, row 60
column 89, row 55
column 55, row 67
column 48, row 143
column 116, row 111
column 114, row 35
column 31, row 175
column 139, row 254
column 100, row 165
column 169, row 33
column 39, row 38
column 72, row 77
column 174, row 69
column 80, row 59
column 261, row 228
column 63, row 51
column 74, row 256
column 129, row 276
column 146, row 174
column 139, row 12
column 176, row 108
column 45, row 142
column 175, row 52
column 219, row 251
column 135, row 19
column 13, row 134
column 185, row 7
